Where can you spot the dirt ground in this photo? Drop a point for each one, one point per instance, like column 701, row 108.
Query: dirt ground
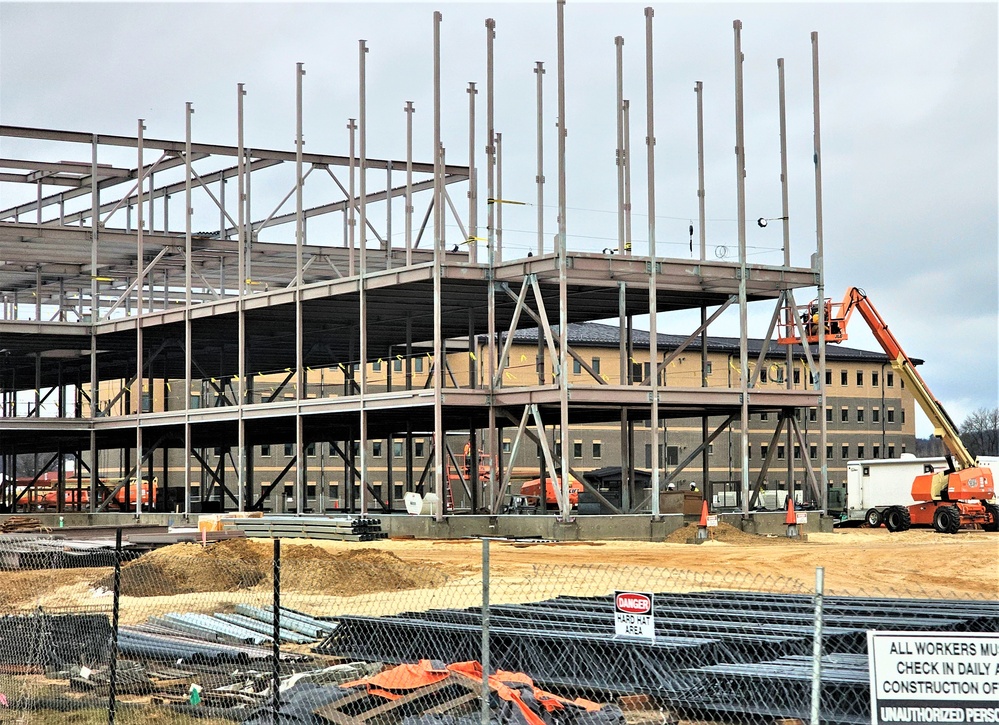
column 395, row 575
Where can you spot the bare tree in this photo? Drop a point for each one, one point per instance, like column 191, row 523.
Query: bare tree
column 980, row 432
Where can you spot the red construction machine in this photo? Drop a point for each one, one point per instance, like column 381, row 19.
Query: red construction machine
column 961, row 495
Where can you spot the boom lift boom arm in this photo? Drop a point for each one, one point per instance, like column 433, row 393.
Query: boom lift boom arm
column 837, row 316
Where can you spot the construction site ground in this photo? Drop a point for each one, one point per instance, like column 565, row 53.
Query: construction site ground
column 393, row 575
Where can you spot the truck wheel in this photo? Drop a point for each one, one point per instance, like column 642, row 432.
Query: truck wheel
column 897, row 518
column 873, row 518
column 946, row 520
column 992, row 511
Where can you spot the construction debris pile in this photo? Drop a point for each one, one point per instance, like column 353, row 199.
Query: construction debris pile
column 344, row 528
column 21, row 524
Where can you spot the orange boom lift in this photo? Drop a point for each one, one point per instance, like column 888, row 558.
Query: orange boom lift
column 961, row 495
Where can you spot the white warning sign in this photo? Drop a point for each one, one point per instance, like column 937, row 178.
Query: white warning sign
column 930, row 677
column 633, row 615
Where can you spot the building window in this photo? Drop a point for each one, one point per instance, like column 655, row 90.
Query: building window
column 576, row 367
column 597, row 449
column 828, row 377
column 397, row 365
column 890, row 380
column 829, row 453
column 780, row 375
column 672, row 455
column 780, row 452
column 310, row 450
column 860, row 415
column 217, row 451
column 902, row 383
column 813, row 451
column 265, row 450
column 749, row 451
column 417, row 364
column 860, row 451
column 842, row 377
column 595, row 364
column 812, row 413
column 397, row 492
column 764, row 416
column 397, row 448
column 860, row 378
column 903, row 416
column 356, row 446
column 797, row 376
column 376, row 366
column 874, row 378
column 708, row 369
column 876, row 451
column 763, row 374
column 648, row 455
column 844, row 415
column 418, row 449
column 875, row 415
column 890, row 415
column 846, row 451
column 797, row 452
column 711, row 448
column 577, row 449
column 376, row 449
column 289, row 449
column 764, row 449
column 828, row 415
column 506, row 445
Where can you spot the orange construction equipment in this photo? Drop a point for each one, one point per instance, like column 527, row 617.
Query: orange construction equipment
column 531, row 490
column 964, row 493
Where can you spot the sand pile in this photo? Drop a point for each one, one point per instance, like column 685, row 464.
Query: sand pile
column 237, row 564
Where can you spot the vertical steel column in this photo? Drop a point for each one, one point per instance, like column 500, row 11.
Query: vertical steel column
column 362, row 293
column 539, row 179
column 788, row 356
column 95, row 315
column 241, row 301
column 139, row 284
column 619, row 159
column 650, row 142
column 439, row 361
column 820, row 271
column 702, row 226
column 817, row 647
column 473, row 182
column 623, row 376
column 188, row 334
column 491, row 259
column 388, row 215
column 409, row 182
column 740, row 170
column 563, row 281
column 300, row 382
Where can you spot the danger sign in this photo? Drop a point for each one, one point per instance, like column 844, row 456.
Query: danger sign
column 633, row 615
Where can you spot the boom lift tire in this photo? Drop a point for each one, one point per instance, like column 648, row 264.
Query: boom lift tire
column 897, row 518
column 873, row 518
column 993, row 513
column 946, row 520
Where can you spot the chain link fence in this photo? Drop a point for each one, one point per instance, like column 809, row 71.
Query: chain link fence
column 188, row 634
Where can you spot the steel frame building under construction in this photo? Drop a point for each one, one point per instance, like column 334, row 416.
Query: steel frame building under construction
column 125, row 330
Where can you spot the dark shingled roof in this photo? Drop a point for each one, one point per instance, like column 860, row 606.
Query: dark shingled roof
column 595, row 334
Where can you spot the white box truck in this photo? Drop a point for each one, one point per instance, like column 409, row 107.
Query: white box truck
column 874, row 485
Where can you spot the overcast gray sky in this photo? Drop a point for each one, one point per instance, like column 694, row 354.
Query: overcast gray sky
column 909, row 126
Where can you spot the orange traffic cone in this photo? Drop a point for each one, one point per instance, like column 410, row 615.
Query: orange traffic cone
column 791, row 520
column 702, row 526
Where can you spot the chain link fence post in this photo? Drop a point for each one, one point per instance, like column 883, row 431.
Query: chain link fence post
column 115, row 605
column 484, row 713
column 276, row 645
column 817, row 647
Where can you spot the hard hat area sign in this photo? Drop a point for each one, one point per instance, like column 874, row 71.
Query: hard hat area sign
column 931, row 677
column 633, row 615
